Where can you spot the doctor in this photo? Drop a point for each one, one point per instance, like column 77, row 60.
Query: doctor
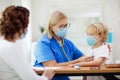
column 53, row 49
column 13, row 63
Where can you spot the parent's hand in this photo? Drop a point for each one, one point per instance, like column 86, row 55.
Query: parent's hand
column 49, row 74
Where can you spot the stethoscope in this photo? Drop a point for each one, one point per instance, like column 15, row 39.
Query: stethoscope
column 61, row 45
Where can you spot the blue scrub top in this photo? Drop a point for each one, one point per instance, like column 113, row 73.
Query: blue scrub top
column 49, row 49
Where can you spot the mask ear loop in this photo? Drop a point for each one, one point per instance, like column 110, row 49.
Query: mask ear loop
column 68, row 26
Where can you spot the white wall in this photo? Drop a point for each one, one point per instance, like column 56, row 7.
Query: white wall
column 110, row 9
column 41, row 10
column 5, row 3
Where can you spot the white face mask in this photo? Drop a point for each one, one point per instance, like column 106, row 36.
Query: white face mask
column 61, row 32
column 91, row 40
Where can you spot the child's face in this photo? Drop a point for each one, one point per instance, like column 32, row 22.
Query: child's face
column 97, row 37
column 93, row 35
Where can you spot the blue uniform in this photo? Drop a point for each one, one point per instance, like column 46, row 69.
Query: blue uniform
column 49, row 49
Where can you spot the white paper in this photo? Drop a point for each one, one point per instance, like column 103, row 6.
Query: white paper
column 44, row 68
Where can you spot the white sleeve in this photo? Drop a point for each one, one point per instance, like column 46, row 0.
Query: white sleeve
column 18, row 62
column 104, row 52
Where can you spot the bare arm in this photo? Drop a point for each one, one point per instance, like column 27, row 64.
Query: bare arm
column 95, row 63
column 54, row 63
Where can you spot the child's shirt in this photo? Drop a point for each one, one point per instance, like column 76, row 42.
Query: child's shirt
column 101, row 51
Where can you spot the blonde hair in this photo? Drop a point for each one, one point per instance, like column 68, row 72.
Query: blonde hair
column 98, row 29
column 53, row 20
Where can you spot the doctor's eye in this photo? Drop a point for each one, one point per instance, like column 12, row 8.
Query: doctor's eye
column 65, row 26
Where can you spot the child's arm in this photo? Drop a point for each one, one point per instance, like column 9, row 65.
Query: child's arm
column 95, row 63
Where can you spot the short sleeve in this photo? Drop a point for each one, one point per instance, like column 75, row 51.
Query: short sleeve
column 43, row 52
column 104, row 51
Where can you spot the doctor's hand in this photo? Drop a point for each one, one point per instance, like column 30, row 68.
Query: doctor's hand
column 49, row 74
column 70, row 66
column 86, row 58
column 76, row 66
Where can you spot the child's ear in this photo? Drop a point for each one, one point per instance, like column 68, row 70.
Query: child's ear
column 100, row 36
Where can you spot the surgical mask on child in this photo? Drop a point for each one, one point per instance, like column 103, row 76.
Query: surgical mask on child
column 91, row 40
column 61, row 32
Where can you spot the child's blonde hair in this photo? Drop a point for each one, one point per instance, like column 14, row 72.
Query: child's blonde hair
column 98, row 29
column 53, row 20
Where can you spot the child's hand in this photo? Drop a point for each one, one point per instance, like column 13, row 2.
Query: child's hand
column 70, row 66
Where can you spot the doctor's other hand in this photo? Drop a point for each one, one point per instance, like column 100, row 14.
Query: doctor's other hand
column 86, row 58
column 49, row 74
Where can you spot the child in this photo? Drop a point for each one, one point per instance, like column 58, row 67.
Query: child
column 97, row 36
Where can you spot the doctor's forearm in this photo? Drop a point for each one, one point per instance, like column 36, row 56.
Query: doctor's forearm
column 53, row 63
column 67, row 63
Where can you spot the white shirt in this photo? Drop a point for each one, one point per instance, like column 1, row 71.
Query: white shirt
column 101, row 51
column 14, row 65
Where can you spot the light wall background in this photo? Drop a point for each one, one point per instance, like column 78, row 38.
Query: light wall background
column 80, row 14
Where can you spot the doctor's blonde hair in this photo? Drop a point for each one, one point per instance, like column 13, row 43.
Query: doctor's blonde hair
column 98, row 29
column 53, row 20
